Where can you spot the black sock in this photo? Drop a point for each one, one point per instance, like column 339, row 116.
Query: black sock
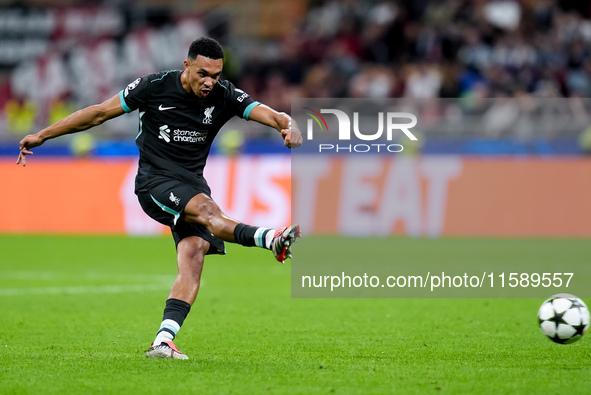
column 175, row 313
column 244, row 235
column 176, row 310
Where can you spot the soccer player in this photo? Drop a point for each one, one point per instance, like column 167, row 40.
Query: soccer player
column 180, row 113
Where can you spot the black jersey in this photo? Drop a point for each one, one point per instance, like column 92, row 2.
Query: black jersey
column 176, row 128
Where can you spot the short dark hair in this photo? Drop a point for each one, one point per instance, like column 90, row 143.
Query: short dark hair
column 207, row 47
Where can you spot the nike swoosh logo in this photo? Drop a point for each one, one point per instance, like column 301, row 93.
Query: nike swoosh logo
column 165, row 108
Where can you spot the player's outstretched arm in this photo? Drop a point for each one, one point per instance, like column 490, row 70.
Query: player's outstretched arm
column 76, row 122
column 278, row 120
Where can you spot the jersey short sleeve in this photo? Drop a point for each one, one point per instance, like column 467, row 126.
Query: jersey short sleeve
column 135, row 94
column 239, row 100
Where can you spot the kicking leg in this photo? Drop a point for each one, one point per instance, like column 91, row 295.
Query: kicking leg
column 190, row 255
column 203, row 210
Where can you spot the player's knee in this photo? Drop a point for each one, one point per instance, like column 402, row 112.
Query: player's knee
column 194, row 248
column 208, row 212
column 191, row 254
column 202, row 211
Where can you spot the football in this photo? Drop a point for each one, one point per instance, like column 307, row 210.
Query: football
column 564, row 318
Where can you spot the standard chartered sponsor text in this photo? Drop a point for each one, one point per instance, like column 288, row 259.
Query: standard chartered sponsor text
column 189, row 136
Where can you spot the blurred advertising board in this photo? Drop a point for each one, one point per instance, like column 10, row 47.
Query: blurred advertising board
column 374, row 196
column 97, row 196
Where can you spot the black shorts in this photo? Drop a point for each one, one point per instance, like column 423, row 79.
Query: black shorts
column 164, row 200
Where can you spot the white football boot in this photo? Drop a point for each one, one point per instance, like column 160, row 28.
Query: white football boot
column 282, row 241
column 165, row 350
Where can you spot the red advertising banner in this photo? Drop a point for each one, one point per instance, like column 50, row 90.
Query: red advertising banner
column 97, row 196
column 447, row 195
column 428, row 196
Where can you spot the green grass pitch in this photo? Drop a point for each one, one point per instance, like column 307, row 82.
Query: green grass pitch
column 78, row 312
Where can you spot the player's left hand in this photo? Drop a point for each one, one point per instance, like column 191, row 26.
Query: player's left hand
column 25, row 145
column 292, row 137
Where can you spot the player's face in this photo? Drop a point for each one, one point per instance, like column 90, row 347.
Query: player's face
column 203, row 73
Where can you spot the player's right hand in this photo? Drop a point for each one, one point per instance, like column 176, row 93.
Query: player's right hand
column 26, row 144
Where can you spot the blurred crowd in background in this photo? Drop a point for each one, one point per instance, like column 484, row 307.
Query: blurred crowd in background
column 442, row 48
column 56, row 57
